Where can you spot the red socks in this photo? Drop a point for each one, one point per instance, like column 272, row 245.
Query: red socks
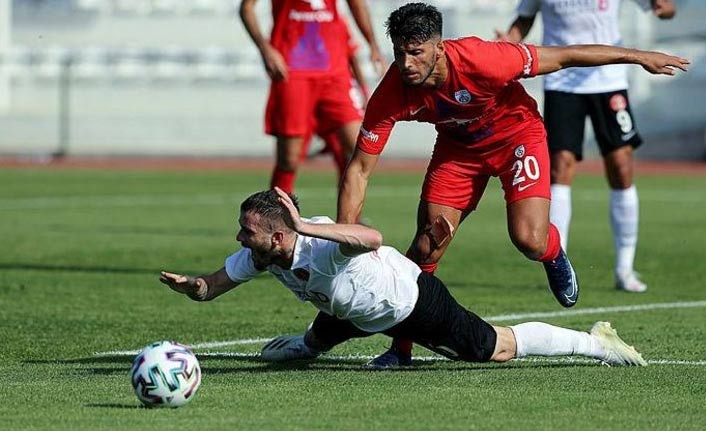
column 283, row 179
column 429, row 268
column 553, row 245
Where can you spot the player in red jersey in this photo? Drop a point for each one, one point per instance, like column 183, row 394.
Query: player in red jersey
column 323, row 127
column 487, row 126
column 306, row 59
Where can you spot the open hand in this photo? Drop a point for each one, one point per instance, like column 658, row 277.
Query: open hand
column 658, row 63
column 378, row 61
column 182, row 284
column 274, row 63
column 292, row 218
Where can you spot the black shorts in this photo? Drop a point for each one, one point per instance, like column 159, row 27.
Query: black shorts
column 437, row 322
column 610, row 113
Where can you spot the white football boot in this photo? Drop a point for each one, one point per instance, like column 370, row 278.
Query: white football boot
column 630, row 282
column 617, row 352
column 287, row 348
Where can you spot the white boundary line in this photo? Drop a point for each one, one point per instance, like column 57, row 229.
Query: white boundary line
column 597, row 310
column 498, row 318
column 244, row 341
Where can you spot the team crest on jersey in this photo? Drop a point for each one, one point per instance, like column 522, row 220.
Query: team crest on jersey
column 520, row 151
column 317, row 4
column 462, row 96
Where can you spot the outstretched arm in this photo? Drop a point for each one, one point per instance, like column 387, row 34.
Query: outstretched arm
column 274, row 62
column 553, row 58
column 361, row 15
column 201, row 288
column 354, row 239
column 518, row 30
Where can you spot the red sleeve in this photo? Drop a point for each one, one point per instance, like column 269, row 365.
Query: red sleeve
column 385, row 107
column 499, row 62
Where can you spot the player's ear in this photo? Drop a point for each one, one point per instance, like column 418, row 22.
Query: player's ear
column 439, row 49
column 277, row 238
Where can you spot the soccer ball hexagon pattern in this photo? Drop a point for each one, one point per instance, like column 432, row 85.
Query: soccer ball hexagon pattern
column 165, row 374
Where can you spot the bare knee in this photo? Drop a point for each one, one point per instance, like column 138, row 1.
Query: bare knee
column 530, row 241
column 422, row 251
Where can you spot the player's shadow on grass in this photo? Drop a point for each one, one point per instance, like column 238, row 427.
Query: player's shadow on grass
column 103, row 359
column 125, row 406
column 358, row 366
column 254, row 365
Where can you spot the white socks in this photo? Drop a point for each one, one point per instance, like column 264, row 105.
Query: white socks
column 560, row 211
column 542, row 339
column 624, row 214
column 624, row 217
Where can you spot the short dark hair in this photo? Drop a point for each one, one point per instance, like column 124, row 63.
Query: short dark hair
column 414, row 22
column 266, row 204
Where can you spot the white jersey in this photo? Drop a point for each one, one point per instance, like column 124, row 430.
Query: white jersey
column 572, row 22
column 374, row 291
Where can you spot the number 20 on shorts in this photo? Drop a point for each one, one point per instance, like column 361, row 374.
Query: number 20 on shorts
column 526, row 167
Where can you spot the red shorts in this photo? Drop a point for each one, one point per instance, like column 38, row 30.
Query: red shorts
column 457, row 176
column 294, row 103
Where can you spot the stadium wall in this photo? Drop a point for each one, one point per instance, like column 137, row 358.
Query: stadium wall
column 101, row 81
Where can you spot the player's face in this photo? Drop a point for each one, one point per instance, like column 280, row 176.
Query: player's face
column 252, row 235
column 415, row 60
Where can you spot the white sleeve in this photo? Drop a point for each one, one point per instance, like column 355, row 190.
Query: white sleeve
column 327, row 256
column 529, row 8
column 240, row 267
column 645, row 5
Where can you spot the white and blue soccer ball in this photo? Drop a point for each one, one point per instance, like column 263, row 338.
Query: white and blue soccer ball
column 165, row 374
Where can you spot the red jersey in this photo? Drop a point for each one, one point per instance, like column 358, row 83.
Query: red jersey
column 480, row 103
column 309, row 35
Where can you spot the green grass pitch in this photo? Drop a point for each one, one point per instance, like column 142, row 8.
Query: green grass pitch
column 81, row 251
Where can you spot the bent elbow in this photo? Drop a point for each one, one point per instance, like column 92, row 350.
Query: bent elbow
column 376, row 240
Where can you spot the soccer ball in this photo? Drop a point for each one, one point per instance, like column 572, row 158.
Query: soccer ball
column 165, row 374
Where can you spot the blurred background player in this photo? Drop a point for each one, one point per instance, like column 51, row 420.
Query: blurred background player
column 307, row 61
column 600, row 93
column 359, row 94
column 487, row 125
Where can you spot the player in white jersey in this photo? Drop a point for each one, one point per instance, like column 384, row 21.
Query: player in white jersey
column 601, row 93
column 362, row 287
